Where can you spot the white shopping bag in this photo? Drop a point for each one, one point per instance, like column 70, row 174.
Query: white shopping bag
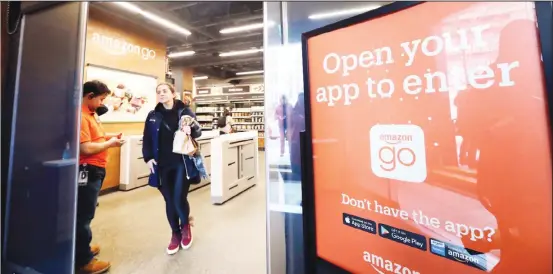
column 183, row 144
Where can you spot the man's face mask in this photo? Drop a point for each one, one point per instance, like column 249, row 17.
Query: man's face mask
column 101, row 110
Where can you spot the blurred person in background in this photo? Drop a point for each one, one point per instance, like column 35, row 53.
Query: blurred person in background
column 225, row 123
column 283, row 110
column 297, row 125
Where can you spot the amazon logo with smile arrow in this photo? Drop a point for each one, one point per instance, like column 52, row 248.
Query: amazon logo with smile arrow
column 384, row 266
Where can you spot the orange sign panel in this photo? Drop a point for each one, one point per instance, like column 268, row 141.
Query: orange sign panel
column 431, row 142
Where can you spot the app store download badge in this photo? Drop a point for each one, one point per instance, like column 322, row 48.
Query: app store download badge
column 398, row 152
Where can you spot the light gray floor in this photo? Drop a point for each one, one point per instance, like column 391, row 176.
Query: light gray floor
column 132, row 230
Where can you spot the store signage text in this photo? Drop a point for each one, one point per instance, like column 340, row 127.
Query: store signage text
column 236, row 89
column 258, row 88
column 210, row 98
column 236, row 97
column 203, row 91
column 119, row 46
column 233, row 97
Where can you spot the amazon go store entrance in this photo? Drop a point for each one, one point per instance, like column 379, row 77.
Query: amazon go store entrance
column 61, row 46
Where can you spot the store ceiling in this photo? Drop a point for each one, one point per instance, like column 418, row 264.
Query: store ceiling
column 204, row 20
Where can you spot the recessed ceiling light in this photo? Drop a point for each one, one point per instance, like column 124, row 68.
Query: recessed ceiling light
column 340, row 13
column 242, row 28
column 250, row 72
column 161, row 21
column 181, row 54
column 240, row 52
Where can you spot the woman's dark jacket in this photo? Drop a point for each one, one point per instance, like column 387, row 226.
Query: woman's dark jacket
column 150, row 140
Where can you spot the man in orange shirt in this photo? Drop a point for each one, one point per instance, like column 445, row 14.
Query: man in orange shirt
column 94, row 144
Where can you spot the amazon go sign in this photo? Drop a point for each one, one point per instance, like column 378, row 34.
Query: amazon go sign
column 119, row 46
column 398, row 152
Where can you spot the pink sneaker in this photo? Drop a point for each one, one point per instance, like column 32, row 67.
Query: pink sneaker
column 174, row 244
column 186, row 238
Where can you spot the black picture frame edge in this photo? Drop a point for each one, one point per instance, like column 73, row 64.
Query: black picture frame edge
column 360, row 18
column 544, row 17
column 313, row 263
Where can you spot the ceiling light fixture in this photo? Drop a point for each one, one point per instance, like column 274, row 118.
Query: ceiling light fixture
column 340, row 13
column 242, row 28
column 200, row 78
column 247, row 27
column 250, row 72
column 153, row 17
column 181, row 54
column 239, row 52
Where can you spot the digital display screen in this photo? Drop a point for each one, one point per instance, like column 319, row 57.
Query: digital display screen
column 430, row 138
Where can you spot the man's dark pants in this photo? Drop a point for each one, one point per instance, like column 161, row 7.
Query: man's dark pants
column 87, row 199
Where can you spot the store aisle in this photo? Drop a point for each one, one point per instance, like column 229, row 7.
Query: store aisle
column 133, row 232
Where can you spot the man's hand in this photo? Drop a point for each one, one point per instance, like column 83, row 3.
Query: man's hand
column 90, row 148
column 151, row 165
column 115, row 142
column 114, row 135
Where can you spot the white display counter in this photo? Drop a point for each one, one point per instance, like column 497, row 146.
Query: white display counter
column 234, row 165
column 135, row 172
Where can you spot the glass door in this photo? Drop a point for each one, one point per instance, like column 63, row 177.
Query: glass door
column 41, row 188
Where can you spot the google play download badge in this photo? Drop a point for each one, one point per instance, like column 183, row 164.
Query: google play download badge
column 402, row 236
column 384, row 231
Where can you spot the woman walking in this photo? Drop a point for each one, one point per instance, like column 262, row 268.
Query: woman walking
column 171, row 173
